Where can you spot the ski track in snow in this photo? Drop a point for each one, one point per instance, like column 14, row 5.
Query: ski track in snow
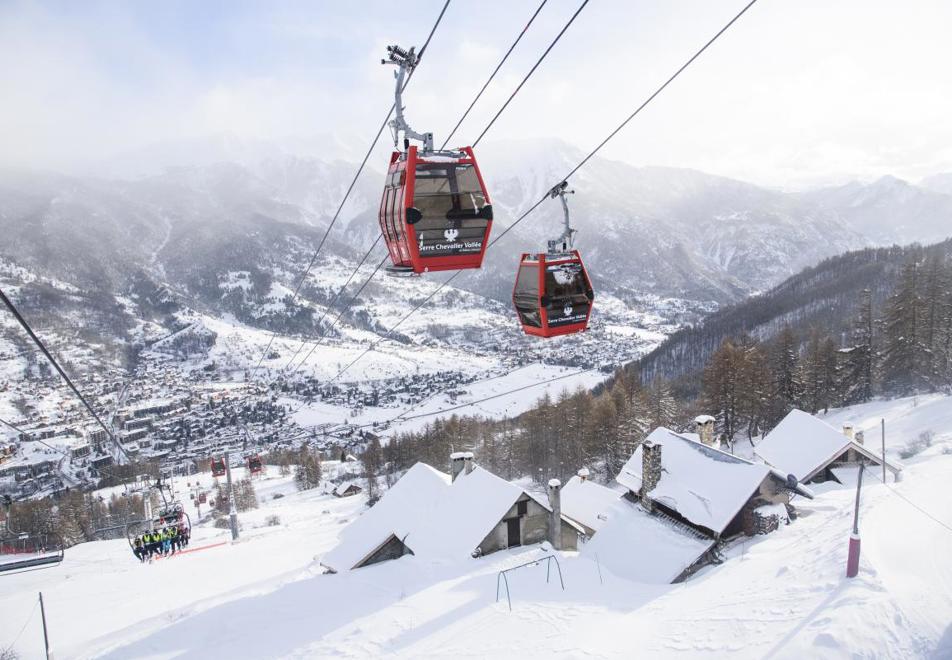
column 779, row 596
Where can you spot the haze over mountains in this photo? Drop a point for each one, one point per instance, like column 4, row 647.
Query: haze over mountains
column 180, row 235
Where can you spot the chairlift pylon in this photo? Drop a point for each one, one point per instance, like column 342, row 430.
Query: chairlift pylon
column 20, row 551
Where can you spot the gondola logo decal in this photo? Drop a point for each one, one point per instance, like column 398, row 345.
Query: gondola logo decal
column 567, row 310
column 450, row 245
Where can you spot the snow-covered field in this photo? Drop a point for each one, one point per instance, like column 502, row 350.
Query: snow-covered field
column 779, row 596
column 506, row 395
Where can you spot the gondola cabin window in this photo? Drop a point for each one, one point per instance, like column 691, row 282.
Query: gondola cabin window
column 526, row 296
column 450, row 200
column 565, row 299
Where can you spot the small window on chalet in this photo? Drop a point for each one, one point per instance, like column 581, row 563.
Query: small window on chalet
column 522, row 508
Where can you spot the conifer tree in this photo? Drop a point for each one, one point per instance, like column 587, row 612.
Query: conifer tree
column 371, row 459
column 902, row 334
column 859, row 356
column 307, row 475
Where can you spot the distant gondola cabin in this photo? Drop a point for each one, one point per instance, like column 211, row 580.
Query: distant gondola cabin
column 553, row 294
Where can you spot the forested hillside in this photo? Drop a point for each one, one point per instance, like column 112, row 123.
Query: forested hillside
column 824, row 297
column 882, row 326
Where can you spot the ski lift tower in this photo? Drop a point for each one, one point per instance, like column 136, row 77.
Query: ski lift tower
column 232, row 510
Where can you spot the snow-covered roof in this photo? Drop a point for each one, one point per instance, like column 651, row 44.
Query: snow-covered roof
column 397, row 513
column 802, row 445
column 342, row 488
column 434, row 517
column 466, row 513
column 705, row 485
column 588, row 502
column 638, row 546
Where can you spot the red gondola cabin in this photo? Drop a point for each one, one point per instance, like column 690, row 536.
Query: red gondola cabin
column 218, row 467
column 254, row 464
column 553, row 294
column 435, row 213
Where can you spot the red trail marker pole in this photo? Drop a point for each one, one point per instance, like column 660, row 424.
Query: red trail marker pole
column 852, row 561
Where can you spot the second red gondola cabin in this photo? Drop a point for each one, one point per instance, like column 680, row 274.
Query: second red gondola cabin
column 435, row 213
column 218, row 467
column 553, row 294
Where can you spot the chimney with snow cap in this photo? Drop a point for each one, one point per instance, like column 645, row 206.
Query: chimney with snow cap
column 860, row 437
column 650, row 470
column 705, row 429
column 555, row 518
column 848, row 430
column 583, row 474
column 457, row 463
column 467, row 462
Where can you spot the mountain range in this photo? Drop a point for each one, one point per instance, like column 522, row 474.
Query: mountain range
column 146, row 246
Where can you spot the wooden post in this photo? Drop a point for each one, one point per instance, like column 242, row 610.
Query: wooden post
column 46, row 638
column 852, row 561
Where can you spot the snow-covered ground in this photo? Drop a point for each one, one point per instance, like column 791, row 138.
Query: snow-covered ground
column 507, row 395
column 779, row 596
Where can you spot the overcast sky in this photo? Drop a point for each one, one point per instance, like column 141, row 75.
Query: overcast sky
column 798, row 92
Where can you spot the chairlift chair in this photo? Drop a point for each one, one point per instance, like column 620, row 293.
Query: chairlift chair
column 21, row 551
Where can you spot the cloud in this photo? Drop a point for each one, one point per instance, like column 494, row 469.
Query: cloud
column 795, row 93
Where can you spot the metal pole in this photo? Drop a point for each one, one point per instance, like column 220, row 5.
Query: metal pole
column 883, row 427
column 232, row 511
column 852, row 561
column 46, row 638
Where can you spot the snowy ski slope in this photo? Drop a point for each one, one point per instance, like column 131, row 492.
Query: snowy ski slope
column 778, row 596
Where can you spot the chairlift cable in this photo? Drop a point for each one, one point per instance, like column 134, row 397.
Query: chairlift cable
column 49, row 356
column 531, row 71
column 910, row 502
column 6, row 651
column 343, row 311
column 483, row 133
column 330, row 306
column 350, row 189
column 493, row 75
column 101, row 470
column 403, row 418
column 571, row 173
column 458, row 123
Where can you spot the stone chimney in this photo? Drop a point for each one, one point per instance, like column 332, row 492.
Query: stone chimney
column 583, row 474
column 705, row 429
column 859, row 437
column 848, row 430
column 650, row 469
column 467, row 462
column 457, row 463
column 555, row 518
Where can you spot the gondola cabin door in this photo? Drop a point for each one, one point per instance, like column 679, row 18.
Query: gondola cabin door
column 553, row 294
column 435, row 212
